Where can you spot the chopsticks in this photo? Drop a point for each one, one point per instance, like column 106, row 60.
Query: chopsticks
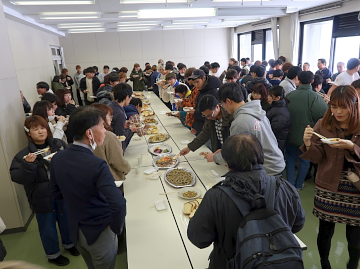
column 319, row 135
column 176, row 156
column 40, row 152
column 324, row 95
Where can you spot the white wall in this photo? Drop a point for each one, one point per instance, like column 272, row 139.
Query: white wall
column 32, row 57
column 191, row 47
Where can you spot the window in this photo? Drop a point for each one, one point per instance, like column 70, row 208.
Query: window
column 269, row 47
column 345, row 49
column 244, row 45
column 317, row 38
column 257, row 53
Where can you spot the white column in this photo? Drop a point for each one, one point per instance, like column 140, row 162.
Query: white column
column 14, row 208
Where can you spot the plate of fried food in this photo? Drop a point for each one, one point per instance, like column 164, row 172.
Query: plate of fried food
column 150, row 121
column 204, row 154
column 330, row 141
column 160, row 148
column 165, row 161
column 121, row 138
column 145, row 106
column 189, row 193
column 180, row 177
column 138, row 125
column 148, row 113
column 152, row 130
column 146, row 101
column 158, row 138
column 188, row 210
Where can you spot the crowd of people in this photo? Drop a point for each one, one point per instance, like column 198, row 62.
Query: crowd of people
column 260, row 119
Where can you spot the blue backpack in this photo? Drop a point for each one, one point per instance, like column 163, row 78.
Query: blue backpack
column 263, row 239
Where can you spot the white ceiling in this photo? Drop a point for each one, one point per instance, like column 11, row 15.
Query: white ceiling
column 111, row 9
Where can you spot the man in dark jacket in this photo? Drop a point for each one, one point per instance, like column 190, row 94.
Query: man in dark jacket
column 103, row 94
column 207, row 85
column 89, row 85
column 217, row 219
column 121, row 127
column 325, row 73
column 96, row 206
column 249, row 76
column 258, row 77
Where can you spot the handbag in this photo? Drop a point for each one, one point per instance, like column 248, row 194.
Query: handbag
column 354, row 178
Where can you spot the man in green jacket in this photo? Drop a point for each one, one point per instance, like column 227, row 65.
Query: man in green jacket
column 306, row 108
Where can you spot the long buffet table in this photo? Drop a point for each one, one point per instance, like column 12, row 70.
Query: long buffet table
column 158, row 239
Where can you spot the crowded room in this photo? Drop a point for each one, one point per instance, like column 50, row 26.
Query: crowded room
column 209, row 134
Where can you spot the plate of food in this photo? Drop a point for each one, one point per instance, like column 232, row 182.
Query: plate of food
column 148, row 113
column 158, row 138
column 121, row 138
column 152, row 130
column 160, row 148
column 50, row 156
column 331, row 141
column 187, row 109
column 138, row 125
column 188, row 210
column 180, row 177
column 165, row 161
column 150, row 121
column 145, row 106
column 204, row 154
column 146, row 101
column 189, row 193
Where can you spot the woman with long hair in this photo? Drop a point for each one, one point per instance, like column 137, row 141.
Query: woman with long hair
column 259, row 92
column 45, row 110
column 337, row 200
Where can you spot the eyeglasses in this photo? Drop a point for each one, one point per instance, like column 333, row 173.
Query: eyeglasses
column 210, row 115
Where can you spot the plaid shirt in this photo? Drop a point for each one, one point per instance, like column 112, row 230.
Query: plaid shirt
column 190, row 102
column 218, row 127
column 135, row 118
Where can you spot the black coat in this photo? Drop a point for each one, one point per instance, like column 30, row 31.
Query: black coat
column 280, row 120
column 96, row 85
column 211, row 86
column 217, row 218
column 250, row 84
column 34, row 176
column 27, row 107
column 65, row 110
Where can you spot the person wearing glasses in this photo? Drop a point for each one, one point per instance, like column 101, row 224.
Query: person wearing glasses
column 216, row 127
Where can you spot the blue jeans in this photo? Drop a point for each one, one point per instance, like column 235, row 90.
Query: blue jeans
column 48, row 231
column 292, row 153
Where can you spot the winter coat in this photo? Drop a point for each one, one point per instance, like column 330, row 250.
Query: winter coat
column 211, row 86
column 34, row 176
column 280, row 120
column 138, row 85
column 65, row 110
column 130, row 110
column 103, row 94
column 306, row 108
column 95, row 83
column 217, row 219
column 251, row 84
column 154, row 77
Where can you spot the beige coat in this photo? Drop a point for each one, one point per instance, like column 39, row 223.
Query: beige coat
column 111, row 151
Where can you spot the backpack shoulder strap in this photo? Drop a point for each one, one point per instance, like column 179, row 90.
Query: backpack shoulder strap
column 270, row 193
column 242, row 205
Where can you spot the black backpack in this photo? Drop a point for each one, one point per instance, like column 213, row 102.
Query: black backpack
column 263, row 238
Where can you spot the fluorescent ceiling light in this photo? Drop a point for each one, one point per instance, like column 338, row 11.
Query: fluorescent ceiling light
column 129, row 30
column 128, row 16
column 143, row 24
column 78, row 25
column 176, row 13
column 69, row 18
column 136, row 27
column 151, row 1
column 240, row 1
column 190, row 22
column 41, row 3
column 93, row 30
column 68, row 13
column 136, row 22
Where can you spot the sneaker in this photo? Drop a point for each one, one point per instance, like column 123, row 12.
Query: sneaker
column 301, row 187
column 60, row 261
column 73, row 251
